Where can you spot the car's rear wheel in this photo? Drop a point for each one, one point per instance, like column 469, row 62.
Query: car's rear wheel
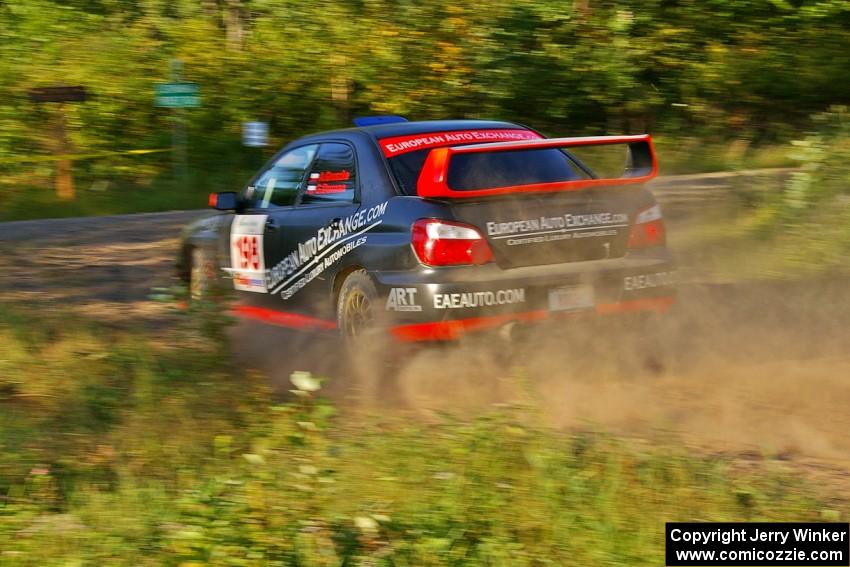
column 371, row 354
column 356, row 306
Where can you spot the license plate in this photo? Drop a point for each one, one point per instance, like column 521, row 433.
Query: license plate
column 571, row 298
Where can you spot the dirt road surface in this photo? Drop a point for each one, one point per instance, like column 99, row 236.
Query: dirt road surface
column 760, row 370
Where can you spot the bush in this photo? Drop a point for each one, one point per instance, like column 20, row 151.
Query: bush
column 809, row 219
column 124, row 447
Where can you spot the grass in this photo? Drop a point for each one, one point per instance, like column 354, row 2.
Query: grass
column 138, row 184
column 104, row 188
column 779, row 228
column 121, row 196
column 150, row 448
column 726, row 249
column 680, row 156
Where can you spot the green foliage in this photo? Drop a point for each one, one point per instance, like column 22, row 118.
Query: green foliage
column 782, row 226
column 807, row 222
column 823, row 179
column 139, row 448
column 714, row 71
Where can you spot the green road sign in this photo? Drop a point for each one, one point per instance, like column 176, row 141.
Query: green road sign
column 178, row 95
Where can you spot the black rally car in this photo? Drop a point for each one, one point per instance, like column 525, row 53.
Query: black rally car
column 435, row 229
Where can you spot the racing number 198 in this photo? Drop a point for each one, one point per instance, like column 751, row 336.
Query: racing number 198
column 249, row 255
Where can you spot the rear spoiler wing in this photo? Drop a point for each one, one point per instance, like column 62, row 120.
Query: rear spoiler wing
column 641, row 166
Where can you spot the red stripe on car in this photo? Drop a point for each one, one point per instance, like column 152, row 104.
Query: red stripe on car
column 453, row 329
column 281, row 318
column 658, row 304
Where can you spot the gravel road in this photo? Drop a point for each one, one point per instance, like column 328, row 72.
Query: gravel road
column 99, row 266
column 757, row 369
column 108, row 265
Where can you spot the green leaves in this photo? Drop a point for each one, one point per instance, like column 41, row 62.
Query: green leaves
column 614, row 66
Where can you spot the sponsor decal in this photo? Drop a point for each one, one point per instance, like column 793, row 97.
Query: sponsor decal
column 470, row 299
column 288, row 292
column 311, row 257
column 594, row 233
column 322, row 182
column 403, row 144
column 324, row 188
column 595, row 219
column 323, row 176
column 246, row 282
column 246, row 253
column 644, row 281
column 565, row 227
column 402, row 299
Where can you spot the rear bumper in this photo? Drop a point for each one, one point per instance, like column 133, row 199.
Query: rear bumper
column 453, row 329
column 446, row 304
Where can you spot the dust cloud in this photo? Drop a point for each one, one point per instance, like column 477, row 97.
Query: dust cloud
column 751, row 368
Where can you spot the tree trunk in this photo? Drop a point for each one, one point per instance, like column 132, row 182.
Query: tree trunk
column 64, row 175
column 582, row 9
column 341, row 89
column 234, row 24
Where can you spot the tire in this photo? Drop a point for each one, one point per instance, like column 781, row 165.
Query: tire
column 356, row 307
column 371, row 356
column 201, row 275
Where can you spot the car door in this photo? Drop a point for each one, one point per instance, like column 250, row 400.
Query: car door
column 329, row 195
column 258, row 239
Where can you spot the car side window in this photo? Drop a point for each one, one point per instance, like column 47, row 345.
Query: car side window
column 333, row 175
column 278, row 185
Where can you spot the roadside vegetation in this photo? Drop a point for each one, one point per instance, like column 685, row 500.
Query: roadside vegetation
column 809, row 220
column 146, row 447
column 28, row 195
column 722, row 85
column 792, row 226
column 151, row 446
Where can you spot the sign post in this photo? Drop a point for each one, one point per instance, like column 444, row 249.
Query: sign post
column 64, row 178
column 178, row 95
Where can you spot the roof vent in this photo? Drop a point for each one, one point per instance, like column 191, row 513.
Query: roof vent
column 362, row 121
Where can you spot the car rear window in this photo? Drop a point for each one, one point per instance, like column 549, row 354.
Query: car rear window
column 488, row 170
column 508, row 169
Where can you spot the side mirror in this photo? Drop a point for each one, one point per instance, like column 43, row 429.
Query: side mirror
column 224, row 201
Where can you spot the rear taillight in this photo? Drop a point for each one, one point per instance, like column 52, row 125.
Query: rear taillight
column 648, row 229
column 444, row 243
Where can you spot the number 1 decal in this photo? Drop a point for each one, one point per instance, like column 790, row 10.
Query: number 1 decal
column 246, row 253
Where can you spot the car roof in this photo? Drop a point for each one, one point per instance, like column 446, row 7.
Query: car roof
column 380, row 131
